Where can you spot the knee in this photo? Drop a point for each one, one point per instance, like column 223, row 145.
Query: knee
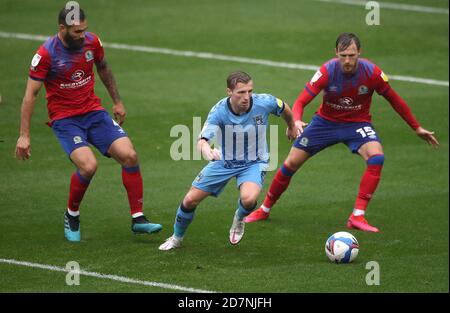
column 130, row 159
column 248, row 201
column 88, row 168
column 189, row 202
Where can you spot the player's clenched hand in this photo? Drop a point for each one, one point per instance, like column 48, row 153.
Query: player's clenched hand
column 427, row 136
column 210, row 154
column 23, row 148
column 119, row 112
column 301, row 125
column 292, row 132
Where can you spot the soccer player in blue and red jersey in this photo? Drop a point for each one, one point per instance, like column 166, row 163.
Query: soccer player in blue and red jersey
column 64, row 64
column 348, row 83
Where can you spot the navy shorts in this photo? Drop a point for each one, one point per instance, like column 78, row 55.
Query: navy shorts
column 96, row 128
column 322, row 133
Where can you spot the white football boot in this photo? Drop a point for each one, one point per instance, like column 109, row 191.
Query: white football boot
column 170, row 243
column 237, row 230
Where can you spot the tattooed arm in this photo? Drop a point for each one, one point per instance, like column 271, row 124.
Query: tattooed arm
column 107, row 77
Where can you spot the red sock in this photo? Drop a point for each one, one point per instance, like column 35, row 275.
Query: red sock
column 78, row 186
column 278, row 186
column 368, row 185
column 132, row 180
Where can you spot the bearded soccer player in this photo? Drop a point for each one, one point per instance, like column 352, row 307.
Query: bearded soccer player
column 348, row 83
column 64, row 64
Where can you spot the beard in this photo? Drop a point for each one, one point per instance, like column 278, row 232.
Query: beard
column 73, row 44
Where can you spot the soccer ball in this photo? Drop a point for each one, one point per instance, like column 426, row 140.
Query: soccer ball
column 341, row 247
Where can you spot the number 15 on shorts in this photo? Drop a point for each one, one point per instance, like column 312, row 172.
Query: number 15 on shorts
column 366, row 131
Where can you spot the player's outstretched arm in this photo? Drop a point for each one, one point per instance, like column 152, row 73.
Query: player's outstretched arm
column 23, row 146
column 107, row 77
column 292, row 131
column 205, row 149
column 404, row 111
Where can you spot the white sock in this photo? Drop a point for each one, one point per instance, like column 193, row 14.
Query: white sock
column 137, row 214
column 357, row 212
column 73, row 213
column 265, row 209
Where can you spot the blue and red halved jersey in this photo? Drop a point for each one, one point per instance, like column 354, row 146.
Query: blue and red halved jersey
column 68, row 76
column 347, row 97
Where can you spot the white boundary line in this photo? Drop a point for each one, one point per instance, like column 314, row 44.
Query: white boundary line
column 121, row 279
column 394, row 6
column 213, row 56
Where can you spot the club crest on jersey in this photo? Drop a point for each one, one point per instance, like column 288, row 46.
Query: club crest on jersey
column 77, row 140
column 259, row 120
column 77, row 75
column 362, row 90
column 89, row 55
column 346, row 101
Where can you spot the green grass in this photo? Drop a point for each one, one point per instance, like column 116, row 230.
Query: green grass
column 284, row 254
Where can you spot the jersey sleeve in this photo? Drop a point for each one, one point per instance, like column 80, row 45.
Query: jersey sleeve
column 272, row 104
column 381, row 81
column 211, row 125
column 318, row 82
column 99, row 52
column 40, row 65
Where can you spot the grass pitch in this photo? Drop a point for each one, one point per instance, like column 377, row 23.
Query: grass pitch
column 284, row 254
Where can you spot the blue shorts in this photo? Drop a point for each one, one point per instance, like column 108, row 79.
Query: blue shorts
column 96, row 128
column 214, row 176
column 322, row 133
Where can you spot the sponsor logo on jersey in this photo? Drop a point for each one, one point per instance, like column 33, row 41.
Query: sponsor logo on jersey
column 346, row 101
column 76, row 84
column 77, row 75
column 384, row 77
column 77, row 140
column 89, row 55
column 362, row 90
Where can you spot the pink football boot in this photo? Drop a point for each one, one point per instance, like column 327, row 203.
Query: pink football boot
column 359, row 222
column 257, row 215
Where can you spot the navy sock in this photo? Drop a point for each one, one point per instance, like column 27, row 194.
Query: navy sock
column 182, row 220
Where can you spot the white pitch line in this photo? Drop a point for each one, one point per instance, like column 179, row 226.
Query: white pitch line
column 394, row 6
column 213, row 56
column 121, row 279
